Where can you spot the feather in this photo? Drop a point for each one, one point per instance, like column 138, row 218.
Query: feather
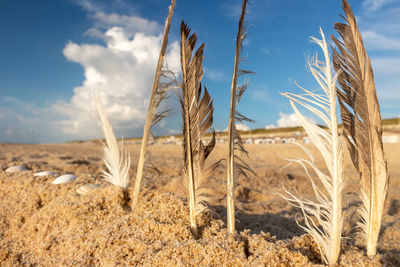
column 236, row 165
column 116, row 158
column 362, row 123
column 323, row 217
column 158, row 94
column 197, row 115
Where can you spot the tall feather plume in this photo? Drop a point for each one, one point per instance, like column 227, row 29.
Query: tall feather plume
column 362, row 123
column 158, row 94
column 236, row 165
column 116, row 158
column 197, row 115
column 323, row 217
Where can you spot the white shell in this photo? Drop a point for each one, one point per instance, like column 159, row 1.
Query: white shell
column 15, row 169
column 45, row 173
column 84, row 189
column 64, row 179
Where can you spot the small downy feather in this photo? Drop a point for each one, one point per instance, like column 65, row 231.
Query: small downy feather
column 236, row 165
column 362, row 124
column 197, row 115
column 116, row 158
column 323, row 218
column 159, row 93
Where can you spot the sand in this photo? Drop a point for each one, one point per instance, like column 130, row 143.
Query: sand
column 42, row 224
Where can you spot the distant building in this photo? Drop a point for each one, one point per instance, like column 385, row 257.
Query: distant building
column 291, row 140
column 391, row 139
column 171, row 140
column 259, row 141
column 248, row 141
column 269, row 141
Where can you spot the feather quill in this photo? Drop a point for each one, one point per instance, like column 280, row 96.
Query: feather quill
column 197, row 115
column 323, row 217
column 116, row 158
column 157, row 96
column 362, row 123
column 236, row 165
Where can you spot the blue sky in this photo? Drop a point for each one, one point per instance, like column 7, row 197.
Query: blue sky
column 55, row 53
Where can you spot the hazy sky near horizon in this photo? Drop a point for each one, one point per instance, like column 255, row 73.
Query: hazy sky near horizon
column 55, row 53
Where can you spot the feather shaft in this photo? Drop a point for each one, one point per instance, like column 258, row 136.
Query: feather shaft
column 234, row 139
column 152, row 108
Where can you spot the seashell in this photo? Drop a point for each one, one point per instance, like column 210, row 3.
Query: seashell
column 84, row 189
column 44, row 173
column 15, row 169
column 64, row 179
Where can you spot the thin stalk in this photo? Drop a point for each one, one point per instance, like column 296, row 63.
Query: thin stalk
column 230, row 197
column 151, row 110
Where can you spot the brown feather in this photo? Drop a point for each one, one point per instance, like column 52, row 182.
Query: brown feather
column 197, row 115
column 362, row 122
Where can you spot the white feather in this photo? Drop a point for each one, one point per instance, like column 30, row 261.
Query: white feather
column 116, row 158
column 323, row 218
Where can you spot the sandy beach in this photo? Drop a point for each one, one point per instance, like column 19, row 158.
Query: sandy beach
column 43, row 224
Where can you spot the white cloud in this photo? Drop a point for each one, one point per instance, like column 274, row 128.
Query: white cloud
column 121, row 71
column 87, row 5
column 376, row 41
column 380, row 27
column 131, row 24
column 287, row 120
column 375, row 4
column 215, row 75
column 385, row 65
column 240, row 127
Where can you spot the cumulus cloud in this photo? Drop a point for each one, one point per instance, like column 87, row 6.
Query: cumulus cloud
column 242, row 127
column 287, row 120
column 121, row 71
